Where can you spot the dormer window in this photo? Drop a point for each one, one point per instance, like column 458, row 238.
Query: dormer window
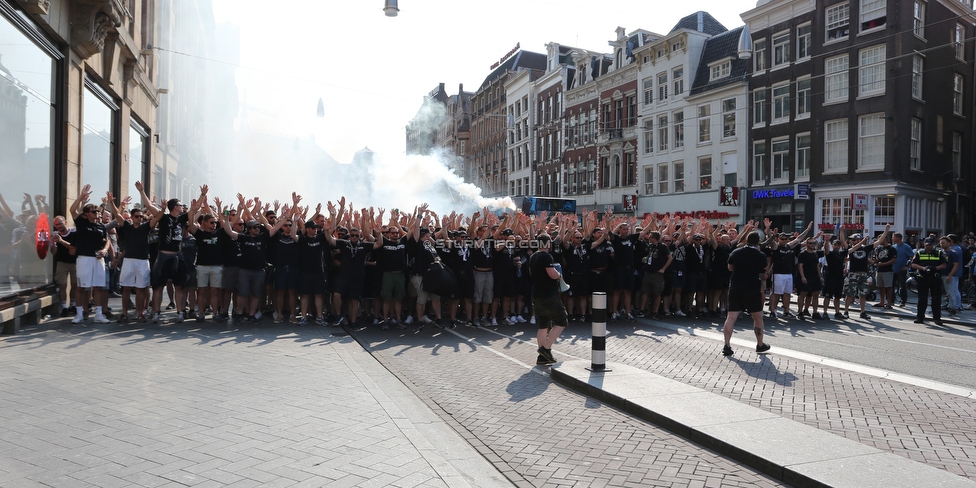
column 720, row 70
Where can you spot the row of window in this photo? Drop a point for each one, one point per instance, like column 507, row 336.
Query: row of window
column 662, row 86
column 670, row 127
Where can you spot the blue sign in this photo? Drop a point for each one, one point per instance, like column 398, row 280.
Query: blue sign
column 763, row 194
column 802, row 191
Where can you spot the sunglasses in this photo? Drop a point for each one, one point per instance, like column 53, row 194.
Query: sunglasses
column 136, row 216
column 287, row 225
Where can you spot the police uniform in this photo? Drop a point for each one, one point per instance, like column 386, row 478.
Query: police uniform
column 929, row 263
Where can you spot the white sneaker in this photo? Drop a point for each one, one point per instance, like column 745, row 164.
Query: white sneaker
column 273, row 316
column 409, row 320
column 509, row 321
column 532, row 320
column 679, row 313
column 519, row 319
column 494, row 322
column 78, row 319
column 101, row 319
column 425, row 319
column 257, row 315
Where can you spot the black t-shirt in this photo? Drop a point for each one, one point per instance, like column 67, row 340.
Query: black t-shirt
column 657, row 257
column 231, row 253
column 859, row 261
column 695, row 258
column 392, row 255
column 64, row 255
column 89, row 237
column 784, row 259
column 808, row 261
column 254, row 250
column 835, row 265
column 747, row 264
column 189, row 250
column 720, row 260
column 623, row 249
column 285, row 250
column 678, row 263
column 210, row 247
column 542, row 285
column 311, row 251
column 423, row 253
column 135, row 240
column 352, row 257
column 170, row 233
column 504, row 261
column 577, row 259
column 482, row 257
column 600, row 256
column 885, row 253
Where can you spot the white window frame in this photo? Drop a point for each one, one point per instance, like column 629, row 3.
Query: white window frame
column 918, row 18
column 728, row 118
column 759, row 103
column 678, row 80
column 705, row 170
column 720, row 70
column 662, row 87
column 649, row 179
column 915, row 147
column 918, row 71
column 663, row 170
column 836, row 152
column 780, row 162
column 781, row 104
column 838, row 20
column 803, row 156
column 781, row 49
column 804, row 98
column 957, row 94
column 871, row 71
column 759, row 162
column 804, row 41
column 837, row 79
column 958, row 42
column 873, row 14
column 662, row 132
column 648, row 137
column 759, row 54
column 871, row 142
column 678, row 123
column 704, row 124
column 678, row 176
column 648, row 89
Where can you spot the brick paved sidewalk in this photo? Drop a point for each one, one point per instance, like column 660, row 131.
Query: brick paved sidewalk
column 537, row 432
column 925, row 425
column 207, row 405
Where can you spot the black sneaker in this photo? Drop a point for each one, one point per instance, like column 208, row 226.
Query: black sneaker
column 772, row 315
column 865, row 316
column 546, row 353
column 919, row 321
column 541, row 360
column 839, row 316
column 762, row 348
column 817, row 316
column 938, row 322
column 727, row 351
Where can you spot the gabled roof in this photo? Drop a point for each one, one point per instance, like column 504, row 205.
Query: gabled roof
column 720, row 47
column 702, row 22
column 521, row 59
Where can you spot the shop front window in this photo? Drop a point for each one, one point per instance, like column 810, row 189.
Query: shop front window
column 27, row 114
column 138, row 146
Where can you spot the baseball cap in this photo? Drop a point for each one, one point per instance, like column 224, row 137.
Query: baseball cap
column 310, row 224
column 253, row 223
column 929, row 240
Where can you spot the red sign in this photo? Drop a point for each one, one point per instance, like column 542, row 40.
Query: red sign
column 697, row 214
column 842, row 226
column 630, row 203
column 859, row 201
column 728, row 196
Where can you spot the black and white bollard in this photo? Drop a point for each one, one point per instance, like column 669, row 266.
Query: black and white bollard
column 598, row 356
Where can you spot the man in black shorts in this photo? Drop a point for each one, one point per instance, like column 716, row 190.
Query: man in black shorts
column 550, row 313
column 747, row 264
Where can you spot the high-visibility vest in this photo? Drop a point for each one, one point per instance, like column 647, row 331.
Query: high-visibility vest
column 925, row 258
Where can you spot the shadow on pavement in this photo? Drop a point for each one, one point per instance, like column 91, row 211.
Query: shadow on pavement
column 531, row 384
column 766, row 370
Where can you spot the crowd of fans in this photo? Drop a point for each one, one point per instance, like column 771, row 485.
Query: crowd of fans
column 246, row 260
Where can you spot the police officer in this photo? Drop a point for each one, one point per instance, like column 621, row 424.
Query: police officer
column 929, row 262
